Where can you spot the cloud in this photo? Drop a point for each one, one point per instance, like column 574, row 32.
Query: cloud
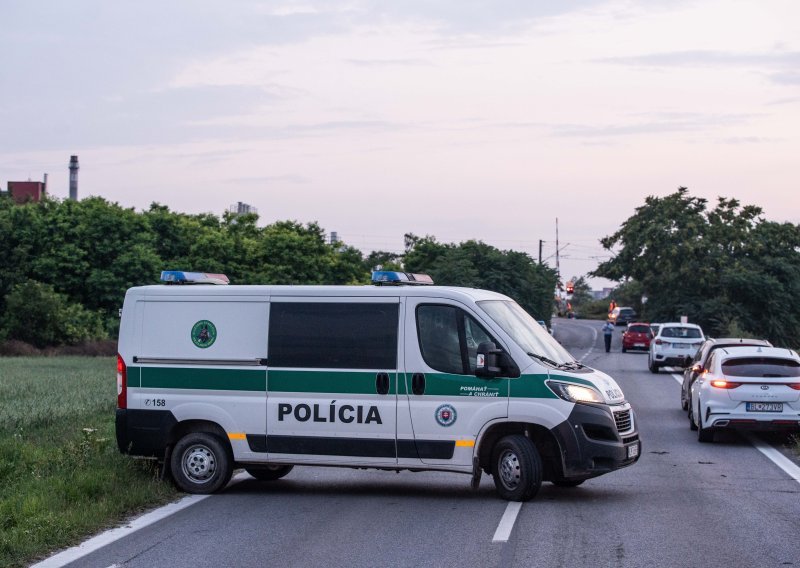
column 261, row 180
column 783, row 64
column 388, row 62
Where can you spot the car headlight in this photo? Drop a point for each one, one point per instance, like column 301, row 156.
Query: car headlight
column 575, row 393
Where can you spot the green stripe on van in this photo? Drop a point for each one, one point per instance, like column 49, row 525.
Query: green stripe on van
column 324, row 381
column 533, row 386
column 204, row 379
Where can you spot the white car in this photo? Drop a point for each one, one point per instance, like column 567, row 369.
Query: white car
column 754, row 388
column 675, row 344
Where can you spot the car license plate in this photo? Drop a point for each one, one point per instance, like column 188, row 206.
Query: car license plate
column 633, row 451
column 638, row 344
column 764, row 407
column 682, row 345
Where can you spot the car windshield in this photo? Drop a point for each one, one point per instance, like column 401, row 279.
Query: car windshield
column 639, row 329
column 681, row 332
column 524, row 330
column 761, row 367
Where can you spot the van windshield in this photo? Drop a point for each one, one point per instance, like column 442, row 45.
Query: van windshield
column 525, row 331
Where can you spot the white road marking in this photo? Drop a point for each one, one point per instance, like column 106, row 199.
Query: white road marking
column 787, row 465
column 507, row 522
column 112, row 535
column 594, row 339
column 776, row 457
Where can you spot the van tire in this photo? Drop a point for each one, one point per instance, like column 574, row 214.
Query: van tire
column 516, row 468
column 201, row 463
column 562, row 482
column 269, row 472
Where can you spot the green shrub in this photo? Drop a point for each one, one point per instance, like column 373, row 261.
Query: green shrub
column 37, row 314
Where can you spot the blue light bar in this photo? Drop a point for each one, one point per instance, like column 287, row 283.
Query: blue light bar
column 392, row 278
column 182, row 277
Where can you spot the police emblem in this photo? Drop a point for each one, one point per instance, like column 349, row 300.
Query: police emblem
column 446, row 415
column 204, row 334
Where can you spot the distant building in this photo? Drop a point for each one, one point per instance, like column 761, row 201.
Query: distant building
column 240, row 208
column 27, row 191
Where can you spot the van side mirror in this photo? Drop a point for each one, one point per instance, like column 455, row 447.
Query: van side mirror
column 697, row 368
column 493, row 362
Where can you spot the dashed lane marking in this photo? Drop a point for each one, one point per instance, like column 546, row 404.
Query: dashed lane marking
column 506, row 525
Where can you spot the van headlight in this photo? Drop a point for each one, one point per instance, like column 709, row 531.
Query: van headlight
column 575, row 393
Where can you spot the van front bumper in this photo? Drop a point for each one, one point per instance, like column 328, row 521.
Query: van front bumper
column 591, row 441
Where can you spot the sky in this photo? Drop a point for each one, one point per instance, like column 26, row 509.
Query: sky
column 457, row 119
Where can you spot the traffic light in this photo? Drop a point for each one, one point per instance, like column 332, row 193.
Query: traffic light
column 570, row 287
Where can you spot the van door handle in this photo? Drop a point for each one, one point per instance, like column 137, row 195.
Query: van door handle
column 418, row 383
column 382, row 383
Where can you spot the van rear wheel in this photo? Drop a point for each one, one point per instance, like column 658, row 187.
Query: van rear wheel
column 201, row 463
column 516, row 468
column 269, row 472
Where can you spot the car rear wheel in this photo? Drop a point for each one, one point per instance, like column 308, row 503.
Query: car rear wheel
column 623, row 349
column 652, row 365
column 201, row 463
column 692, row 425
column 684, row 402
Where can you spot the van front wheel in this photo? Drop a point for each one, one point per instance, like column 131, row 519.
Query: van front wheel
column 200, row 463
column 516, row 468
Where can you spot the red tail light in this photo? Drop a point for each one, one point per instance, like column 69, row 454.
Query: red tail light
column 122, row 383
column 659, row 342
column 723, row 384
column 795, row 386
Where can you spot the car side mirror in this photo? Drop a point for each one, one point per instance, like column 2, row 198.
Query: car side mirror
column 492, row 362
column 697, row 368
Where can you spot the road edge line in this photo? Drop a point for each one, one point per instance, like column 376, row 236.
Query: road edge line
column 112, row 535
column 787, row 465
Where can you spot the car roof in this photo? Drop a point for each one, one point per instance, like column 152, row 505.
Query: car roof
column 638, row 323
column 758, row 351
column 678, row 324
column 734, row 341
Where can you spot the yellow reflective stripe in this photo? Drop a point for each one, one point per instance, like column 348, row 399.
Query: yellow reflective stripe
column 237, row 435
column 465, row 443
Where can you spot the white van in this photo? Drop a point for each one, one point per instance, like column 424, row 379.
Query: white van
column 395, row 376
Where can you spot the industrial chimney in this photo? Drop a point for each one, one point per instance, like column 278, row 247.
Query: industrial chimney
column 73, row 178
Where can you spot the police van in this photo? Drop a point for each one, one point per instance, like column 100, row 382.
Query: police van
column 399, row 375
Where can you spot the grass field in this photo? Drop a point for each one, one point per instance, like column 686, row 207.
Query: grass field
column 61, row 475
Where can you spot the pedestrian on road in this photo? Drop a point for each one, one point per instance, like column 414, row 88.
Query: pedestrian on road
column 608, row 329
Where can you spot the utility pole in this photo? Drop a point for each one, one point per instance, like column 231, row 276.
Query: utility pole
column 540, row 251
column 558, row 266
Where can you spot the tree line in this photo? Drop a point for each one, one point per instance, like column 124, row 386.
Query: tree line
column 65, row 265
column 725, row 267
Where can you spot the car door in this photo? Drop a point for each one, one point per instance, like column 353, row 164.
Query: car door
column 332, row 380
column 447, row 403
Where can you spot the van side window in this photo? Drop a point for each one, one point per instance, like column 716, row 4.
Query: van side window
column 449, row 338
column 333, row 335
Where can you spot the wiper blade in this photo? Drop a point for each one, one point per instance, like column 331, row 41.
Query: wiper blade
column 572, row 365
column 543, row 359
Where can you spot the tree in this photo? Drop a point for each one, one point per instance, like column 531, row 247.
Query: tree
column 726, row 268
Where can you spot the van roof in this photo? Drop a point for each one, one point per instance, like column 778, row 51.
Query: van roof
column 466, row 294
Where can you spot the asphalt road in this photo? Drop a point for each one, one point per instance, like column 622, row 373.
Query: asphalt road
column 683, row 504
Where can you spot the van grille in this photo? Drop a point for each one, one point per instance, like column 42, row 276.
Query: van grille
column 623, row 420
